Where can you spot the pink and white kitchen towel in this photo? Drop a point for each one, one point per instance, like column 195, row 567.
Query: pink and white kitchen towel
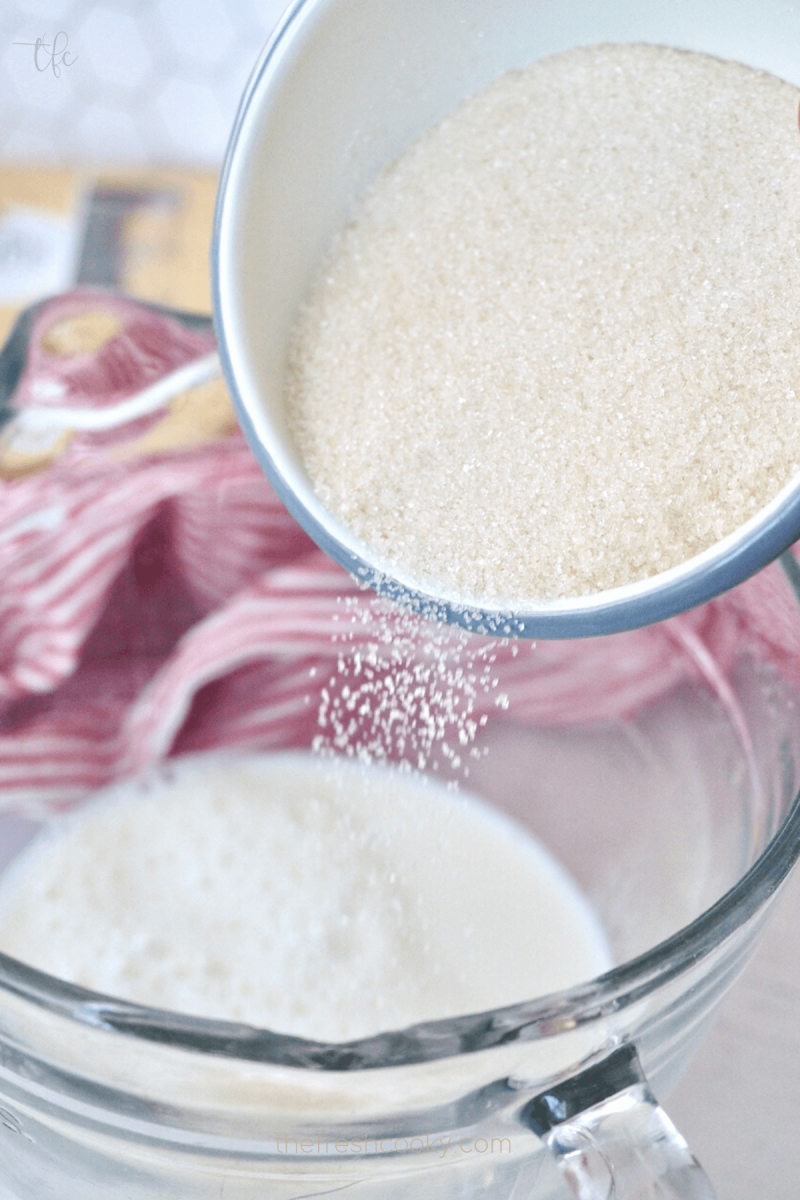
column 156, row 597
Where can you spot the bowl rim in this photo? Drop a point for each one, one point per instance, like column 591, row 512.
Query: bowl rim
column 530, row 1020
column 540, row 1017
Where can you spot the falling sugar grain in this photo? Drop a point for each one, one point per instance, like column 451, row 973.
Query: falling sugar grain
column 406, row 690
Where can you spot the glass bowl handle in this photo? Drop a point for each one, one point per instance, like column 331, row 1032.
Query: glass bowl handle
column 612, row 1139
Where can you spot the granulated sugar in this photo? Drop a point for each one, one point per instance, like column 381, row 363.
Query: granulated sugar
column 407, row 691
column 555, row 351
column 315, row 898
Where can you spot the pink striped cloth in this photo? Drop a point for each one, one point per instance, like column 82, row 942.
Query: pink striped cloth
column 171, row 604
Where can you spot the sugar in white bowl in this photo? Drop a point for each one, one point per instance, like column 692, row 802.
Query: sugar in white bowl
column 555, row 350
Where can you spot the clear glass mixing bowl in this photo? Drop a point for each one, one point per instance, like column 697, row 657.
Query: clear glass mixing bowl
column 661, row 767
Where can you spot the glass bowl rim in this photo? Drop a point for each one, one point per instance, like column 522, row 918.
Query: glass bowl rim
column 540, row 1017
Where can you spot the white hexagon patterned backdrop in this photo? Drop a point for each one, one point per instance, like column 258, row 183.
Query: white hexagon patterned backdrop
column 125, row 81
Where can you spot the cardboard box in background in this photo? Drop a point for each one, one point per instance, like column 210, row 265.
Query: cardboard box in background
column 146, row 233
column 143, row 233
